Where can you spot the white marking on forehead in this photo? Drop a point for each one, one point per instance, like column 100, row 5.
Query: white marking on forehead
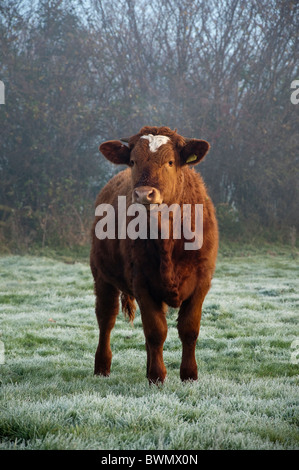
column 155, row 141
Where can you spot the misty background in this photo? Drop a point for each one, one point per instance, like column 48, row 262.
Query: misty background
column 77, row 73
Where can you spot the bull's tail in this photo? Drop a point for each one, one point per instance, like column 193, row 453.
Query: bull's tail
column 128, row 306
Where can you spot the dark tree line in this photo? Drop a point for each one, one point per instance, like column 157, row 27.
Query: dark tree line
column 78, row 73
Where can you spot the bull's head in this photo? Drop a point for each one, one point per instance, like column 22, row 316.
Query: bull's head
column 156, row 157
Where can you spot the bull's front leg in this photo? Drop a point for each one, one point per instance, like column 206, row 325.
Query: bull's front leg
column 153, row 316
column 188, row 327
column 107, row 305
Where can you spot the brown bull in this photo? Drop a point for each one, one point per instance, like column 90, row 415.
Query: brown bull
column 156, row 272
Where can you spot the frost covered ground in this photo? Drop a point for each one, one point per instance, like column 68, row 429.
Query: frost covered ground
column 246, row 396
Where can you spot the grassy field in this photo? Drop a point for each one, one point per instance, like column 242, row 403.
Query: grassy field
column 246, row 396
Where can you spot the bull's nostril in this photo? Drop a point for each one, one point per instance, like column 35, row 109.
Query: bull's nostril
column 146, row 195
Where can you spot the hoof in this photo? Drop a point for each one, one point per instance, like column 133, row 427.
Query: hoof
column 102, row 370
column 188, row 374
column 156, row 378
column 102, row 373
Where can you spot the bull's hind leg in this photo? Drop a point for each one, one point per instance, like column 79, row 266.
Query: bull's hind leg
column 188, row 328
column 107, row 307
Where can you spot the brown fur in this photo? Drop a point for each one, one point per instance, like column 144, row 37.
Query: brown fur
column 159, row 272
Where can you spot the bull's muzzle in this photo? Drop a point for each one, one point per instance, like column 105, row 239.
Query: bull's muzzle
column 146, row 195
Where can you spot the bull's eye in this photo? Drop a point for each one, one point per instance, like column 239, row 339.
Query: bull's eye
column 131, row 163
column 170, row 163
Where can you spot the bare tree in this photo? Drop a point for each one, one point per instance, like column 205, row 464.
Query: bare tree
column 78, row 74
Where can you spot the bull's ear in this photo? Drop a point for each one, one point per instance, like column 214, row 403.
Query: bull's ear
column 116, row 152
column 194, row 151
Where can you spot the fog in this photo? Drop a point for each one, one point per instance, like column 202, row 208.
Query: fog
column 79, row 73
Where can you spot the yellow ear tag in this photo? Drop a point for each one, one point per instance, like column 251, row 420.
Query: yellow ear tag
column 192, row 158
